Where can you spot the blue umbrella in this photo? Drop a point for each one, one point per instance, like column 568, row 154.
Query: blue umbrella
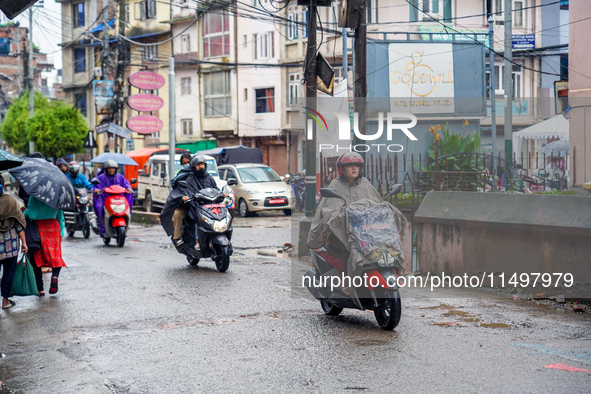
column 119, row 158
column 8, row 160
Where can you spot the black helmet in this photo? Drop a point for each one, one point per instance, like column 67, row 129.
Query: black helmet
column 73, row 169
column 110, row 164
column 198, row 159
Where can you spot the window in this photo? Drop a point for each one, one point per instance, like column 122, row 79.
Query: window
column 292, row 27
column 185, row 86
column 429, row 10
column 79, row 60
column 185, row 43
column 265, row 100
column 187, row 127
column 564, row 4
column 564, row 67
column 497, row 9
column 295, row 87
column 338, row 74
column 217, row 94
column 216, row 34
column 372, row 11
column 245, row 94
column 517, row 77
column 230, row 174
column 78, row 14
column 303, row 19
column 150, row 53
column 80, row 99
column 263, row 44
column 145, row 10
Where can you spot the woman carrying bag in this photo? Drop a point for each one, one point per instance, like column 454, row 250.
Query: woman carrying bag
column 51, row 225
column 12, row 224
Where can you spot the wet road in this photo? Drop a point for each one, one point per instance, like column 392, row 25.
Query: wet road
column 138, row 319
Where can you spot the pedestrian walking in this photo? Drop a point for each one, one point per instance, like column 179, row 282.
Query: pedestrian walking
column 12, row 226
column 52, row 227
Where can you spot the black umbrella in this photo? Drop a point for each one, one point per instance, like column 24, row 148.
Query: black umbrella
column 8, row 160
column 46, row 182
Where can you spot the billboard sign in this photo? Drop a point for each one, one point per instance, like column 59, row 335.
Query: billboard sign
column 145, row 102
column 146, row 80
column 421, row 77
column 144, row 124
column 103, row 88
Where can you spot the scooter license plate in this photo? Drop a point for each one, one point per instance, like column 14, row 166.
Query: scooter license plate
column 277, row 201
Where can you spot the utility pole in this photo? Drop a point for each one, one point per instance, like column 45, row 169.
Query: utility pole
column 121, row 59
column 361, row 70
column 18, row 55
column 310, row 77
column 171, row 119
column 493, row 107
column 31, row 76
column 508, row 93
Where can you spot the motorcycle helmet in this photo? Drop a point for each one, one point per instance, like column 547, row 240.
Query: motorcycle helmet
column 349, row 158
column 198, row 159
column 110, row 164
column 62, row 162
column 73, row 169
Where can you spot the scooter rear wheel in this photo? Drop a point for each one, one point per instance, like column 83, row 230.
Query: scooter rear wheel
column 330, row 309
column 389, row 309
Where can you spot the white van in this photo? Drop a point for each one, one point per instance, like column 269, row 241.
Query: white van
column 154, row 182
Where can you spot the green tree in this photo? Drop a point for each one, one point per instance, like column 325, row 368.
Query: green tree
column 56, row 127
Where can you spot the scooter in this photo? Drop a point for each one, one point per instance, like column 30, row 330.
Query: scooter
column 377, row 288
column 117, row 214
column 209, row 218
column 298, row 183
column 79, row 219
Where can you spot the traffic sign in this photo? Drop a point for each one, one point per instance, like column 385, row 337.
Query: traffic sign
column 90, row 141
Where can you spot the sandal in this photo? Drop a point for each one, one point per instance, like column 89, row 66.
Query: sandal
column 41, row 293
column 53, row 288
column 12, row 303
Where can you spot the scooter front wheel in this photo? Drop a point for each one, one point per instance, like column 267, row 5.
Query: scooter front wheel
column 86, row 227
column 389, row 309
column 222, row 262
column 330, row 309
column 120, row 236
column 106, row 240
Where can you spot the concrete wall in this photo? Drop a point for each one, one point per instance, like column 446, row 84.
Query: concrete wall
column 461, row 233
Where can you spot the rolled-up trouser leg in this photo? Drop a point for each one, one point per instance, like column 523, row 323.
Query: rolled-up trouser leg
column 177, row 220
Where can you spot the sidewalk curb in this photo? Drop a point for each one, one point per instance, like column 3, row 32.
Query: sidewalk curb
column 141, row 217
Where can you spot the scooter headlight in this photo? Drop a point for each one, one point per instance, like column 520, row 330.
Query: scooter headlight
column 83, row 200
column 220, row 226
column 119, row 208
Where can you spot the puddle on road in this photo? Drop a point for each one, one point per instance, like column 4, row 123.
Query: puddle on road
column 494, row 325
column 462, row 318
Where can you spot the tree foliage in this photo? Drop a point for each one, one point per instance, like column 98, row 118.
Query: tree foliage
column 56, row 128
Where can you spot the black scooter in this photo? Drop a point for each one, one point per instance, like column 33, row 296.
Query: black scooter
column 208, row 217
column 377, row 288
column 79, row 219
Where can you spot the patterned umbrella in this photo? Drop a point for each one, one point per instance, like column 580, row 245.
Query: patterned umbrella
column 8, row 160
column 556, row 149
column 46, row 183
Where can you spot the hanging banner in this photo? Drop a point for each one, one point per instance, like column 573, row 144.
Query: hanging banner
column 146, row 80
column 144, row 124
column 145, row 102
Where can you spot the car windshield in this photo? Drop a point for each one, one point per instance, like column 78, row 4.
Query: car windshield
column 212, row 168
column 258, row 174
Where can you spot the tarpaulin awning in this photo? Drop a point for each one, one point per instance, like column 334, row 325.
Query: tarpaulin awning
column 555, row 127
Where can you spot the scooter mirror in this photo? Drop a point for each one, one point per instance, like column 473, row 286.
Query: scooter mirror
column 394, row 190
column 94, row 181
column 232, row 182
column 133, row 180
column 329, row 192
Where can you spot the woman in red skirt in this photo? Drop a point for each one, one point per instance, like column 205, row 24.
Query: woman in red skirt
column 51, row 229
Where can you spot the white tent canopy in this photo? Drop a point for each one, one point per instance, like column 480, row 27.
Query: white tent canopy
column 556, row 127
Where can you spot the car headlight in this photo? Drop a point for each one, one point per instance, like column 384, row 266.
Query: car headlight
column 220, row 226
column 119, row 208
column 251, row 191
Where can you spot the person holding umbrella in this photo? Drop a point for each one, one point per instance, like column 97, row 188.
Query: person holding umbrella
column 50, row 193
column 12, row 224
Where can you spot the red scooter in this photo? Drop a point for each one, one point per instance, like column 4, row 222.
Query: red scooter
column 377, row 286
column 116, row 214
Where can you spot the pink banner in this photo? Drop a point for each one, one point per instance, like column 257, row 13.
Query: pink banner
column 144, row 124
column 146, row 80
column 145, row 102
